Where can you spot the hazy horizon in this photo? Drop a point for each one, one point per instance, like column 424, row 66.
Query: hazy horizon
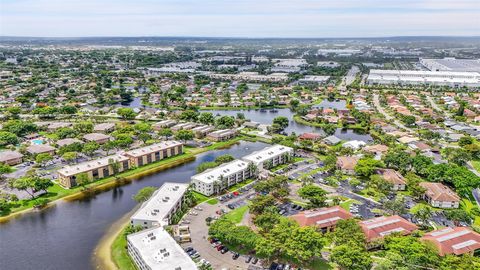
column 239, row 19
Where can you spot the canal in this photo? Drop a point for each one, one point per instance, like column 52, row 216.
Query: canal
column 64, row 236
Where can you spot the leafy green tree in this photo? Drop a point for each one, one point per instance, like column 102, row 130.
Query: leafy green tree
column 412, row 251
column 83, row 180
column 420, row 164
column 413, row 185
column 422, row 212
column 281, row 121
column 225, row 121
column 43, row 158
column 399, row 160
column 90, row 148
column 260, row 203
column 184, row 135
column 144, row 194
column 41, row 183
column 315, row 195
column 224, row 158
column 165, row 132
column 351, row 257
column 466, row 140
column 7, row 138
column 206, row 118
column 205, row 166
column 70, row 156
column 24, row 183
column 367, row 166
column 396, row 207
column 19, row 128
column 126, row 113
column 83, row 127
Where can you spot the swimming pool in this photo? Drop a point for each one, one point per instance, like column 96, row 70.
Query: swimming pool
column 37, row 141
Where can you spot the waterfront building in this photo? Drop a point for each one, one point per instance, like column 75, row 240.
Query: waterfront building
column 160, row 208
column 94, row 169
column 155, row 249
column 155, row 152
column 216, row 179
column 271, row 156
column 222, row 135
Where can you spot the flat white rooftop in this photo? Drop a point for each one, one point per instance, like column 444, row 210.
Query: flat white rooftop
column 162, row 201
column 90, row 165
column 424, row 76
column 267, row 153
column 159, row 251
column 212, row 175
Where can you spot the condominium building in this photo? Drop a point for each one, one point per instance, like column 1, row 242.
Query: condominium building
column 155, row 249
column 393, row 177
column 324, row 219
column 439, row 195
column 164, row 124
column 216, row 179
column 160, row 208
column 457, row 241
column 95, row 169
column 271, row 156
column 419, row 77
column 222, row 135
column 11, row 157
column 377, row 228
column 155, row 152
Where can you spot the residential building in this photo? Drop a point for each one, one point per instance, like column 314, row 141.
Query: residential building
column 160, row 208
column 155, row 249
column 104, row 127
column 347, row 164
column 332, row 140
column 155, row 152
column 222, row 135
column 94, row 169
column 270, row 156
column 99, row 138
column 377, row 228
column 310, row 136
column 202, row 131
column 439, row 195
column 216, row 179
column 393, row 177
column 164, row 124
column 11, row 157
column 68, row 141
column 36, row 149
column 457, row 241
column 324, row 219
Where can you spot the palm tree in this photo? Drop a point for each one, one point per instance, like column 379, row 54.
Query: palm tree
column 252, row 169
column 216, row 186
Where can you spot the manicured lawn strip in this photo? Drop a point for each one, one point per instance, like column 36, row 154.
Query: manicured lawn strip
column 237, row 214
column 56, row 192
column 240, row 185
column 346, row 204
column 476, row 165
column 119, row 253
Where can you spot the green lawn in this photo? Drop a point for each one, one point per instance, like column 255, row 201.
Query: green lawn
column 240, row 185
column 237, row 214
column 476, row 164
column 346, row 204
column 320, row 264
column 119, row 253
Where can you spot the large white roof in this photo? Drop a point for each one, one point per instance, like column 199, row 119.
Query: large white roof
column 160, row 251
column 267, row 153
column 212, row 175
column 161, row 202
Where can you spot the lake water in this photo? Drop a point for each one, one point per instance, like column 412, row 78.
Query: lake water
column 266, row 116
column 64, row 236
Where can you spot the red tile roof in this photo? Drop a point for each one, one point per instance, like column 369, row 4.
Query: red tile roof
column 456, row 241
column 380, row 227
column 322, row 218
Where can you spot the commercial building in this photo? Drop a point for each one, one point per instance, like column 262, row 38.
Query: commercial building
column 155, row 152
column 458, row 241
column 271, row 156
column 418, row 77
column 216, row 179
column 451, row 64
column 324, row 219
column 314, row 79
column 250, row 76
column 155, row 249
column 439, row 195
column 377, row 228
column 160, row 208
column 94, row 169
column 222, row 135
column 10, row 157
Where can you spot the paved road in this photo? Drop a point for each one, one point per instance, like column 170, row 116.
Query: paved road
column 376, row 102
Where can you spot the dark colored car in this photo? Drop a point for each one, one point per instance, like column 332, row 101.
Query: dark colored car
column 248, row 259
column 235, row 255
column 224, row 250
column 231, row 206
column 255, row 260
column 273, row 266
column 213, row 240
column 188, row 249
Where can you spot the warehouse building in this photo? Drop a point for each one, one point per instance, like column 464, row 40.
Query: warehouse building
column 418, row 77
column 451, row 64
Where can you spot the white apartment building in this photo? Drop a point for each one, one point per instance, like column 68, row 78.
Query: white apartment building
column 213, row 180
column 276, row 154
column 418, row 77
column 155, row 249
column 160, row 208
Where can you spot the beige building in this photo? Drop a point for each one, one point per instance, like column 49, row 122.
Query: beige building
column 155, row 152
column 41, row 149
column 11, row 157
column 222, row 135
column 394, row 178
column 347, row 164
column 96, row 137
column 95, row 169
column 104, row 127
column 439, row 195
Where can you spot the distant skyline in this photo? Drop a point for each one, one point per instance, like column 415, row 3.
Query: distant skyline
column 240, row 18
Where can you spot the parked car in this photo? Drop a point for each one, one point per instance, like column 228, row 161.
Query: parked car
column 224, row 250
column 188, row 249
column 248, row 259
column 220, row 247
column 255, row 260
column 235, row 255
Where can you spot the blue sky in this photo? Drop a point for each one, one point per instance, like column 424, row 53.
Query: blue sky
column 239, row 18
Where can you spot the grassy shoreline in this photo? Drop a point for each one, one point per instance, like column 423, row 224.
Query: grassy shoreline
column 241, row 108
column 57, row 193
